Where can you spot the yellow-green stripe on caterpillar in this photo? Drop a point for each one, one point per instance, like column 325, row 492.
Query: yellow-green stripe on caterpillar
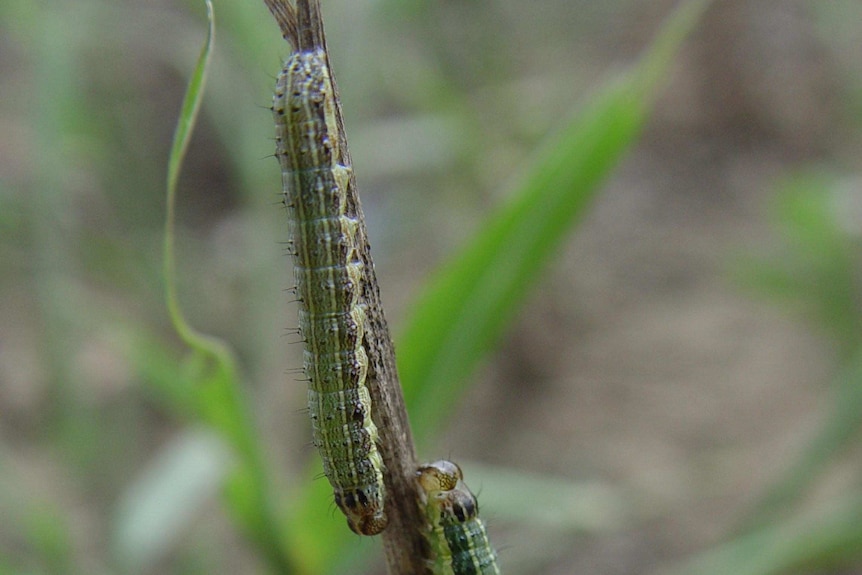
column 457, row 536
column 329, row 274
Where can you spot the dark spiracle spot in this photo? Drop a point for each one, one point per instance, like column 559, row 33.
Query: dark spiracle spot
column 363, row 499
column 358, row 412
column 347, row 501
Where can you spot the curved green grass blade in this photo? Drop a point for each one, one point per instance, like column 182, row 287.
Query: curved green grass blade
column 217, row 394
column 473, row 299
column 182, row 135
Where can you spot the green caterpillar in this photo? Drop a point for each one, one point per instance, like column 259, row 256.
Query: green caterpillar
column 329, row 278
column 457, row 536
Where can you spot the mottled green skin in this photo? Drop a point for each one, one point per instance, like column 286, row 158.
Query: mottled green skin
column 457, row 536
column 329, row 275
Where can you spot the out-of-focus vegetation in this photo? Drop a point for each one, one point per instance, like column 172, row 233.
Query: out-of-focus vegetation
column 117, row 451
column 816, row 271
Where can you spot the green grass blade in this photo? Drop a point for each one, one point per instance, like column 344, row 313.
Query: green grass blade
column 182, row 136
column 556, row 503
column 839, row 433
column 219, row 399
column 814, row 543
column 163, row 501
column 472, row 300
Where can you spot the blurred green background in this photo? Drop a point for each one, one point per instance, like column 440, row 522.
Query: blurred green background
column 685, row 383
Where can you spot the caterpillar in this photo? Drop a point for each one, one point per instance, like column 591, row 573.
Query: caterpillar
column 455, row 533
column 329, row 272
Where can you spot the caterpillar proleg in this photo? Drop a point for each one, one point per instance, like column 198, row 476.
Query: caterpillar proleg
column 457, row 536
column 329, row 273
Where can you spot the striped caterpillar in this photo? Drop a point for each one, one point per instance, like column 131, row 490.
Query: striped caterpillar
column 329, row 275
column 456, row 534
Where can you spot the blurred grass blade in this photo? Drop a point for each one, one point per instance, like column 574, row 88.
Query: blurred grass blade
column 156, row 510
column 817, row 270
column 840, row 431
column 814, row 543
column 817, row 266
column 554, row 502
column 472, row 300
column 40, row 529
column 218, row 397
column 555, row 512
